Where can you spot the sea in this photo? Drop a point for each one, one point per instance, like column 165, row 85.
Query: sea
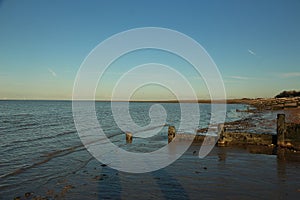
column 41, row 154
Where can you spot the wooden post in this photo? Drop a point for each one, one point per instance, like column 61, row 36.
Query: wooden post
column 171, row 133
column 281, row 129
column 221, row 141
column 128, row 137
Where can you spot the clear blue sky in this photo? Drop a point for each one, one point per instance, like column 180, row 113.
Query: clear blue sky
column 255, row 44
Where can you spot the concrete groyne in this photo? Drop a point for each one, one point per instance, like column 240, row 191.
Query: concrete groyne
column 274, row 103
column 288, row 136
column 288, row 133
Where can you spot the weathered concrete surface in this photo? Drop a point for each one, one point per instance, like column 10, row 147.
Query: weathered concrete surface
column 228, row 138
column 246, row 139
column 292, row 136
column 189, row 137
column 288, row 136
column 274, row 103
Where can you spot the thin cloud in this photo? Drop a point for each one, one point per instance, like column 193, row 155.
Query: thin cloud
column 240, row 77
column 52, row 72
column 251, row 52
column 290, row 74
column 2, row 74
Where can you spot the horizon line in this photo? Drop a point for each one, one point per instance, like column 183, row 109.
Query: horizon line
column 228, row 100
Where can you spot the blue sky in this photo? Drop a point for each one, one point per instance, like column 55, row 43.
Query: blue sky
column 255, row 44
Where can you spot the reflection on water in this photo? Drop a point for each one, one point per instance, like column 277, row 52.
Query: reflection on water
column 226, row 173
column 222, row 156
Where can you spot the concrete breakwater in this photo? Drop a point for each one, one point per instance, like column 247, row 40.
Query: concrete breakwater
column 288, row 136
column 273, row 103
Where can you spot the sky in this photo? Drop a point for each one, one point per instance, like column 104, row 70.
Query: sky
column 255, row 44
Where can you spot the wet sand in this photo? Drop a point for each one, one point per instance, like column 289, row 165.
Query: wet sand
column 226, row 173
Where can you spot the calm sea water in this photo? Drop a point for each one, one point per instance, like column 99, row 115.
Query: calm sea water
column 40, row 148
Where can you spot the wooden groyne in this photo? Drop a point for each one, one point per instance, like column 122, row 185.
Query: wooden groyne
column 275, row 103
column 288, row 136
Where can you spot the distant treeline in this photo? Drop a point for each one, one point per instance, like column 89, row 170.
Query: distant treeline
column 292, row 93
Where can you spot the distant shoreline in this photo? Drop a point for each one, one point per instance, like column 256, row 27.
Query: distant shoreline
column 228, row 101
column 260, row 103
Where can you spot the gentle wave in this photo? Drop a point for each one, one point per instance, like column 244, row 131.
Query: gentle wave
column 35, row 132
column 55, row 154
column 48, row 157
column 12, row 143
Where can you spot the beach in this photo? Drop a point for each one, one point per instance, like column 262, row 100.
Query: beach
column 61, row 167
column 149, row 100
column 226, row 173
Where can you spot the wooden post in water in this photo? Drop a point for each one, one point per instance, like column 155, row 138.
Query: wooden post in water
column 171, row 133
column 221, row 141
column 281, row 129
column 128, row 137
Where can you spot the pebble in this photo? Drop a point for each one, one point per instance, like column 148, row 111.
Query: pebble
column 98, row 178
column 50, row 192
column 67, row 187
column 27, row 194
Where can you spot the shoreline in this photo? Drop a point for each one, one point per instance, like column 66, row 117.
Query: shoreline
column 221, row 164
column 258, row 103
